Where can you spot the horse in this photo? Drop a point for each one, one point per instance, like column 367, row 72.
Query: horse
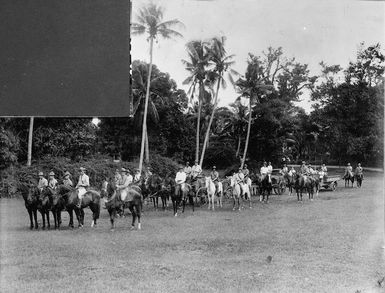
column 210, row 186
column 90, row 199
column 30, row 196
column 290, row 181
column 348, row 176
column 359, row 178
column 167, row 188
column 115, row 203
column 44, row 204
column 236, row 190
column 187, row 194
column 153, row 186
column 198, row 184
column 265, row 189
column 304, row 182
column 182, row 195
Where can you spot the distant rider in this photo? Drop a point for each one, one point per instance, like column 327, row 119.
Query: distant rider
column 42, row 182
column 180, row 179
column 215, row 177
column 83, row 184
column 52, row 182
column 67, row 182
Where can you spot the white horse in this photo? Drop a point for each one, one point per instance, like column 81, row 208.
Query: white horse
column 237, row 191
column 211, row 192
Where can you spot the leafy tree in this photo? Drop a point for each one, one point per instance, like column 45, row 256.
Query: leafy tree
column 150, row 21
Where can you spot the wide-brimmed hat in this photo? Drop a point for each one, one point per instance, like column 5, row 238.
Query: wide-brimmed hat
column 303, row 162
column 125, row 170
column 214, row 167
column 245, row 165
column 51, row 173
column 348, row 164
column 82, row 169
column 67, row 173
column 41, row 174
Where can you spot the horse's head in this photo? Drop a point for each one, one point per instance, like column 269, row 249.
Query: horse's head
column 30, row 193
column 45, row 195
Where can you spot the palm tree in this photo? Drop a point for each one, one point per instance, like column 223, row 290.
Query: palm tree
column 150, row 21
column 252, row 87
column 139, row 74
column 198, row 52
column 30, row 137
column 221, row 64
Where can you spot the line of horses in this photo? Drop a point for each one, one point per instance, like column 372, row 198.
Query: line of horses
column 195, row 192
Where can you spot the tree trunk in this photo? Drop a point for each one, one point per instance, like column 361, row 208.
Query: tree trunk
column 147, row 150
column 144, row 128
column 210, row 122
column 30, row 136
column 238, row 147
column 247, row 136
column 199, row 121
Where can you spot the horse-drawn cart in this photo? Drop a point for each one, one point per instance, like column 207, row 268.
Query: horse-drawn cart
column 330, row 182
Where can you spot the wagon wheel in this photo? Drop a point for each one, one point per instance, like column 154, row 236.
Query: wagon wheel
column 333, row 186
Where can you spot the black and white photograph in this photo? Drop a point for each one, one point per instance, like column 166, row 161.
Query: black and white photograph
column 192, row 146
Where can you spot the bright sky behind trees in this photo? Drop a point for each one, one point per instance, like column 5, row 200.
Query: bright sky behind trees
column 309, row 30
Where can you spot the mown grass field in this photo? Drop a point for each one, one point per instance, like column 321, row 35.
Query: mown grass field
column 333, row 244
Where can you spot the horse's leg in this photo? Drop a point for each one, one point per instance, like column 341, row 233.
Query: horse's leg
column 112, row 218
column 43, row 217
column 191, row 199
column 48, row 223
column 137, row 207
column 183, row 203
column 233, row 202
column 133, row 214
column 71, row 214
column 54, row 218
column 30, row 218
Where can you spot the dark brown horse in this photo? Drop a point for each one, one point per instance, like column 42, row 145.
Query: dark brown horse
column 167, row 189
column 290, row 181
column 45, row 204
column 304, row 183
column 359, row 178
column 114, row 203
column 348, row 177
column 153, row 188
column 30, row 195
column 265, row 188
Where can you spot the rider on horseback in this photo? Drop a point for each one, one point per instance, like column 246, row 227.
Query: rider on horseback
column 304, row 170
column 180, row 179
column 83, row 184
column 137, row 176
column 67, row 181
column 265, row 171
column 359, row 170
column 196, row 170
column 215, row 178
column 124, row 183
column 42, row 182
column 52, row 182
column 239, row 179
column 348, row 171
column 284, row 169
column 187, row 169
column 246, row 172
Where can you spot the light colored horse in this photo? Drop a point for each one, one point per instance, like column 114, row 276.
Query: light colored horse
column 211, row 192
column 237, row 191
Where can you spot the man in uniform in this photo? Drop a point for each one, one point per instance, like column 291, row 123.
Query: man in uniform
column 246, row 172
column 311, row 170
column 269, row 168
column 359, row 170
column 52, row 182
column 292, row 171
column 264, row 171
column 117, row 177
column 67, row 181
column 215, row 177
column 124, row 184
column 349, row 170
column 42, row 182
column 83, row 184
column 240, row 179
column 304, row 169
column 187, row 169
column 196, row 170
column 180, row 178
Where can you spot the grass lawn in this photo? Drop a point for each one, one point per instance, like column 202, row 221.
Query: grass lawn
column 333, row 244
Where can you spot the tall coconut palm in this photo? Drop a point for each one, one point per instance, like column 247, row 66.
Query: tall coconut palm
column 150, row 21
column 30, row 137
column 252, row 87
column 221, row 64
column 198, row 52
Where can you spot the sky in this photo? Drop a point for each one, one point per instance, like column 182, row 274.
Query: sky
column 309, row 30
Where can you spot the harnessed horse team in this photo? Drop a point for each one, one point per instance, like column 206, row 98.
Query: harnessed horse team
column 125, row 190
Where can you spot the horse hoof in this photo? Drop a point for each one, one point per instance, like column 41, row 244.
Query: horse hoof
column 132, row 227
column 139, row 226
column 176, row 214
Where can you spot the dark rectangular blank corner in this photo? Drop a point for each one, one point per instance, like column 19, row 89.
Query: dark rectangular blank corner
column 65, row 58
